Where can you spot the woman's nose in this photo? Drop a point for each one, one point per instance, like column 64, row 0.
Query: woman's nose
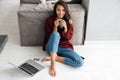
column 61, row 12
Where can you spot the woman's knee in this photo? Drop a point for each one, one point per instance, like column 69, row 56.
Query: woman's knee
column 56, row 35
column 78, row 63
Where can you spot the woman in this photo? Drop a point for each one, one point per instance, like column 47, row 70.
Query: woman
column 58, row 32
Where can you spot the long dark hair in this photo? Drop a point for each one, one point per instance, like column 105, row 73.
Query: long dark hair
column 67, row 15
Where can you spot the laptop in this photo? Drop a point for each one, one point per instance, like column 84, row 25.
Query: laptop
column 31, row 67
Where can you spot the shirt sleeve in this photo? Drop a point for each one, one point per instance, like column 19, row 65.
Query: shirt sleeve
column 68, row 35
column 48, row 31
column 48, row 28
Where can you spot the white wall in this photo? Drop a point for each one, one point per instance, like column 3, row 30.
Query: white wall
column 103, row 20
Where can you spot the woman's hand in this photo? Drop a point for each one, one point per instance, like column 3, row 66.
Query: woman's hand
column 70, row 21
column 63, row 24
column 56, row 24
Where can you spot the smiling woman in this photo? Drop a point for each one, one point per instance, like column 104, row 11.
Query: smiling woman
column 60, row 11
column 57, row 40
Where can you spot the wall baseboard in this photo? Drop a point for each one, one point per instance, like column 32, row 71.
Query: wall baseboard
column 106, row 42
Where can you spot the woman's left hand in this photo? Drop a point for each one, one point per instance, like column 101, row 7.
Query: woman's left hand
column 70, row 21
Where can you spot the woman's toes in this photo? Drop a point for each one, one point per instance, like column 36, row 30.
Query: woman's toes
column 46, row 59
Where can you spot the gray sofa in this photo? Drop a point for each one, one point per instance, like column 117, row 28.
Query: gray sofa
column 31, row 19
column 30, row 1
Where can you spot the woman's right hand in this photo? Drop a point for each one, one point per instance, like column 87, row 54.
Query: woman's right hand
column 56, row 24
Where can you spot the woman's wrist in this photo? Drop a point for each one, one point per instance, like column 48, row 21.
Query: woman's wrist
column 65, row 29
column 55, row 29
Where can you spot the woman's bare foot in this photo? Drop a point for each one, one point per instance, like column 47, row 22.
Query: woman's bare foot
column 52, row 71
column 46, row 59
column 58, row 59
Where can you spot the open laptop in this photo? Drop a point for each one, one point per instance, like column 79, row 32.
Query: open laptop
column 31, row 67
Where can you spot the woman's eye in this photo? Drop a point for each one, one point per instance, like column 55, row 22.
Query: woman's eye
column 63, row 10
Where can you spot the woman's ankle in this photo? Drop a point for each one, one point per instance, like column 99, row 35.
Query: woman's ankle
column 59, row 59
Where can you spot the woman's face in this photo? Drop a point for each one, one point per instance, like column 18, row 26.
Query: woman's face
column 60, row 11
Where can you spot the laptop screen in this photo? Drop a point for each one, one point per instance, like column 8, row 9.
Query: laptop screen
column 28, row 68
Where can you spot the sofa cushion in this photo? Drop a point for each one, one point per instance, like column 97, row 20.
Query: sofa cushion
column 39, row 1
column 32, row 20
column 54, row 1
column 69, row 1
column 30, row 1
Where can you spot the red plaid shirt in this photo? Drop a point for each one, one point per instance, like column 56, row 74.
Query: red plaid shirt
column 65, row 37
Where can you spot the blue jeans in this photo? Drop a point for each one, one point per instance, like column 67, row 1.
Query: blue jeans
column 70, row 57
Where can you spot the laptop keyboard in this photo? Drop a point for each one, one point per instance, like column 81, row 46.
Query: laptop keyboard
column 28, row 68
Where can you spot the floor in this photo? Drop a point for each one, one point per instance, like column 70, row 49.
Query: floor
column 101, row 57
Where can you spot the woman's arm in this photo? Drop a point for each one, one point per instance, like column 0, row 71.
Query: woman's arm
column 68, row 32
column 68, row 35
column 56, row 24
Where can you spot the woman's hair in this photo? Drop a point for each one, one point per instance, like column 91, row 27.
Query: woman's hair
column 64, row 4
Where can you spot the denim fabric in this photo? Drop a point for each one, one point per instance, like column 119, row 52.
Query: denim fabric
column 52, row 45
column 70, row 57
